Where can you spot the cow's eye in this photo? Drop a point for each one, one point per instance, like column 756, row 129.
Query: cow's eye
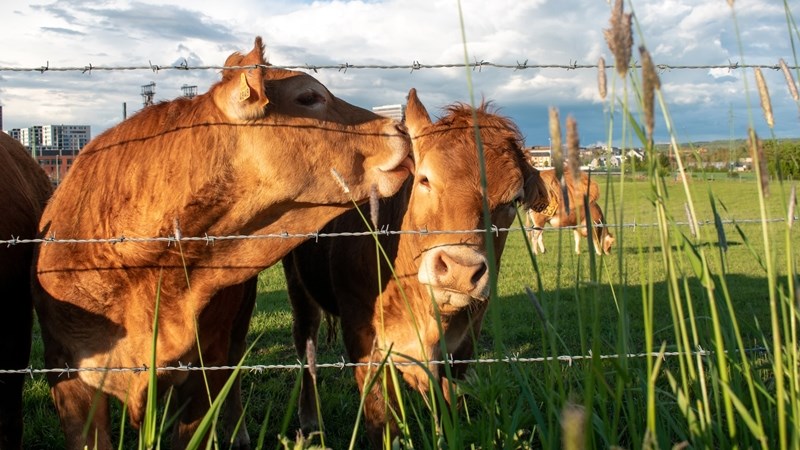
column 310, row 98
column 424, row 182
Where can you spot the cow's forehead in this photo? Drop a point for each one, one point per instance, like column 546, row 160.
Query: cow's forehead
column 451, row 155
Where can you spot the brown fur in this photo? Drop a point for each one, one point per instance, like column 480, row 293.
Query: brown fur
column 24, row 190
column 561, row 213
column 377, row 312
column 219, row 164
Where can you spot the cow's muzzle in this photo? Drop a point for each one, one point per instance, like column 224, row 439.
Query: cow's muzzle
column 456, row 275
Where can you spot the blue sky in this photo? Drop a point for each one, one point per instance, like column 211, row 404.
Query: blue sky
column 704, row 104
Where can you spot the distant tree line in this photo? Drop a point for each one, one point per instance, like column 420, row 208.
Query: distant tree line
column 783, row 158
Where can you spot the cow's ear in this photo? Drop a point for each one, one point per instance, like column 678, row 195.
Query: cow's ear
column 243, row 91
column 537, row 192
column 417, row 118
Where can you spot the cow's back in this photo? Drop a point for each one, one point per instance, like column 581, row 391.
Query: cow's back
column 24, row 188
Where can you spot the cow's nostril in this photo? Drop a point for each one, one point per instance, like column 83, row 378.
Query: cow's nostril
column 478, row 275
column 441, row 267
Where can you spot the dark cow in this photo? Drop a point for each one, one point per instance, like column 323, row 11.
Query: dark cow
column 253, row 156
column 24, row 190
column 558, row 215
column 437, row 275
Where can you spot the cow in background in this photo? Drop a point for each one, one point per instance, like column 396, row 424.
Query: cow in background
column 253, row 156
column 559, row 214
column 439, row 276
column 24, row 190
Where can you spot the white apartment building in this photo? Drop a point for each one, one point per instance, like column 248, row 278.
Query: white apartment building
column 53, row 139
column 396, row 112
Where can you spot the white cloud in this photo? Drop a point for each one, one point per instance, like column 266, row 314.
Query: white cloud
column 123, row 33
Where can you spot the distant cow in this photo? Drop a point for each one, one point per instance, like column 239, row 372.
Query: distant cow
column 24, row 190
column 557, row 216
column 253, row 156
column 446, row 272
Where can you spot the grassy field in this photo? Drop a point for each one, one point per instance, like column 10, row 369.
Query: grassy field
column 617, row 308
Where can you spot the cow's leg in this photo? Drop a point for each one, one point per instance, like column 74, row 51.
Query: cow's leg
column 596, row 233
column 233, row 409
column 305, row 327
column 192, row 399
column 194, row 395
column 306, row 315
column 15, row 345
column 529, row 224
column 540, row 240
column 75, row 401
column 537, row 241
column 376, row 413
column 230, row 310
column 577, row 233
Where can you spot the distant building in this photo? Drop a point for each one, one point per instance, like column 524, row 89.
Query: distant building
column 54, row 146
column 396, row 112
column 14, row 133
column 540, row 156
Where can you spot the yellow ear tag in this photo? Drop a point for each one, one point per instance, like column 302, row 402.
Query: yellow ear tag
column 244, row 89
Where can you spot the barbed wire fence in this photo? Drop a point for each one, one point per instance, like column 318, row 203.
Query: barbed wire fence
column 342, row 364
column 414, row 66
column 211, row 239
column 477, row 65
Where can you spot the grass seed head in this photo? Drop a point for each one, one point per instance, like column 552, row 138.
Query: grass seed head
column 601, row 77
column 573, row 426
column 573, row 149
column 763, row 93
column 650, row 82
column 555, row 142
column 789, row 80
column 759, row 159
column 620, row 38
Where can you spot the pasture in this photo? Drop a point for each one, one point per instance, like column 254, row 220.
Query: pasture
column 617, row 304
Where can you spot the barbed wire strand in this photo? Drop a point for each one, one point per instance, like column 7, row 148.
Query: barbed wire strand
column 210, row 240
column 414, row 66
column 342, row 364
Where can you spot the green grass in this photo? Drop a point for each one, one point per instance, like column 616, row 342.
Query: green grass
column 667, row 289
column 507, row 404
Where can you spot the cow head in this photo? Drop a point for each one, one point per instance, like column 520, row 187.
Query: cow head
column 447, row 195
column 341, row 150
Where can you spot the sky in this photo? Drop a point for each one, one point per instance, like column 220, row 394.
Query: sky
column 702, row 104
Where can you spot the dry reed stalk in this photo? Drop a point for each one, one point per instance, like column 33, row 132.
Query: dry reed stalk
column 555, row 142
column 730, row 3
column 650, row 82
column 789, row 80
column 339, row 179
column 536, row 305
column 573, row 151
column 311, row 358
column 620, row 38
column 601, row 77
column 573, row 427
column 373, row 206
column 763, row 93
column 792, row 205
column 757, row 153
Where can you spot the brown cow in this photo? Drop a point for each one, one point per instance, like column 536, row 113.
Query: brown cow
column 342, row 276
column 557, row 216
column 253, row 156
column 24, row 190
